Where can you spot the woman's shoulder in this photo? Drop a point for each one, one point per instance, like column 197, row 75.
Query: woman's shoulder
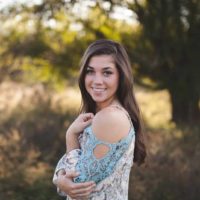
column 111, row 124
column 112, row 114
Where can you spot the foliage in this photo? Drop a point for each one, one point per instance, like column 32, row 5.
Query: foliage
column 167, row 51
column 31, row 140
column 35, row 49
column 172, row 170
column 45, row 47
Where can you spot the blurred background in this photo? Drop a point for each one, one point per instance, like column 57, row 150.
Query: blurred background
column 41, row 43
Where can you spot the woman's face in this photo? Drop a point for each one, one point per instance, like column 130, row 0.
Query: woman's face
column 102, row 79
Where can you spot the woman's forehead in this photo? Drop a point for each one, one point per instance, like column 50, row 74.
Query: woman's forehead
column 102, row 61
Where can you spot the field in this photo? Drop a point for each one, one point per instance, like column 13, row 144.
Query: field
column 33, row 121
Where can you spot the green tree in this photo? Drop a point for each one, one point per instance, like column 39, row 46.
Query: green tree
column 44, row 44
column 168, row 51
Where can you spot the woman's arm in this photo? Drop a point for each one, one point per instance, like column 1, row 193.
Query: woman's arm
column 64, row 172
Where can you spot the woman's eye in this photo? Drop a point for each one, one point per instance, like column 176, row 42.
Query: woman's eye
column 107, row 73
column 89, row 71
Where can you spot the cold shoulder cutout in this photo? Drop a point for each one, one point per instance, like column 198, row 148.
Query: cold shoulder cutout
column 110, row 125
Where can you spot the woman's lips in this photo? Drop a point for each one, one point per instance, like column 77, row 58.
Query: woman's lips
column 98, row 89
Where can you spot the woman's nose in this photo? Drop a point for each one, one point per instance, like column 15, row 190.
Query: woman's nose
column 98, row 79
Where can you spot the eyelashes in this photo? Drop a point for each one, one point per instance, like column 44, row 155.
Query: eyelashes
column 105, row 73
column 89, row 71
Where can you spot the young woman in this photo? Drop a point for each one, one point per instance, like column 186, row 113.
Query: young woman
column 106, row 138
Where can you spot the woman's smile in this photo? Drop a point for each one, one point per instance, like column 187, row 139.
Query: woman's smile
column 95, row 89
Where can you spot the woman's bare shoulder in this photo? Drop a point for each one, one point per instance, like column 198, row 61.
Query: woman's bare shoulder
column 111, row 124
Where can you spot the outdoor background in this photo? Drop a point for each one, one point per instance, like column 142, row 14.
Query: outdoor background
column 41, row 43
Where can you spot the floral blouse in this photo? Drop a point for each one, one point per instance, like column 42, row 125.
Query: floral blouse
column 111, row 173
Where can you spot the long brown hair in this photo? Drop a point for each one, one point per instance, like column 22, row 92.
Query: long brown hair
column 125, row 92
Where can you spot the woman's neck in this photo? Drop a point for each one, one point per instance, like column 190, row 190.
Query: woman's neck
column 114, row 102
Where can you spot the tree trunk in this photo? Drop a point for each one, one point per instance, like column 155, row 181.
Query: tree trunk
column 185, row 105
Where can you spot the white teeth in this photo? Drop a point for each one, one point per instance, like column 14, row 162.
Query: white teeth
column 98, row 89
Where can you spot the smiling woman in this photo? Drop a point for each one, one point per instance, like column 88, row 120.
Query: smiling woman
column 107, row 136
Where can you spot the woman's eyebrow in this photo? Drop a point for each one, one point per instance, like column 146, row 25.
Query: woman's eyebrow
column 105, row 68
column 90, row 67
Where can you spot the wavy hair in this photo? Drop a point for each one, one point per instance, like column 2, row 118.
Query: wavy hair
column 125, row 93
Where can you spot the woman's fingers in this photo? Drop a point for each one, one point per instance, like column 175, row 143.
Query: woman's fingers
column 86, row 119
column 82, row 193
column 77, row 186
column 82, row 190
column 71, row 174
column 88, row 122
column 79, row 189
column 85, row 191
column 83, row 186
column 80, row 123
column 87, row 116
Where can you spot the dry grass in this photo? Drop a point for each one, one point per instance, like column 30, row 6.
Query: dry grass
column 33, row 122
column 155, row 107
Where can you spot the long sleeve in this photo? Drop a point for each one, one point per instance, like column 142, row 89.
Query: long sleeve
column 67, row 162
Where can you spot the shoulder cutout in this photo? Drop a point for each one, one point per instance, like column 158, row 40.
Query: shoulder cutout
column 110, row 125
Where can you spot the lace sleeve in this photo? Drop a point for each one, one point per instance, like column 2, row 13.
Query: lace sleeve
column 93, row 169
column 67, row 162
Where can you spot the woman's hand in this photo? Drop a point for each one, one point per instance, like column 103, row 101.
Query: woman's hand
column 74, row 190
column 80, row 123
